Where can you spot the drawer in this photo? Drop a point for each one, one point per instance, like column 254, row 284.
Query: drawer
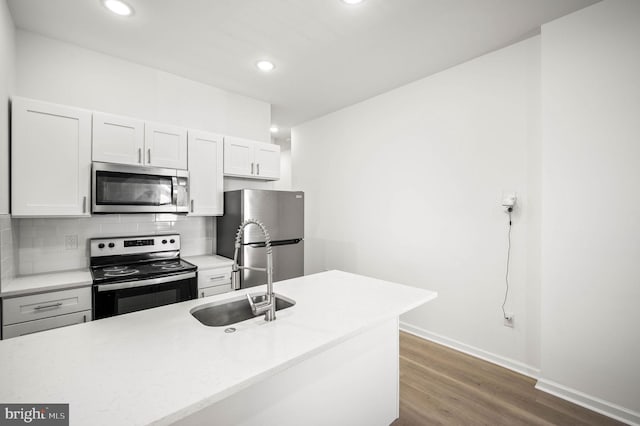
column 44, row 305
column 9, row 331
column 210, row 291
column 214, row 277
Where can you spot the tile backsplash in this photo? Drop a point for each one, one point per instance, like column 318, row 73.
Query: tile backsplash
column 46, row 245
column 7, row 261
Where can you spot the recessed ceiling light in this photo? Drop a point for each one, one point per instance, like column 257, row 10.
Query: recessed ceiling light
column 352, row 1
column 274, row 129
column 265, row 66
column 118, row 7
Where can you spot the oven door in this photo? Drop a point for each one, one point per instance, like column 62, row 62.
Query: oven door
column 118, row 188
column 121, row 298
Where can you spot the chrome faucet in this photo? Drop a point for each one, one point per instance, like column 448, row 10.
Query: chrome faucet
column 268, row 307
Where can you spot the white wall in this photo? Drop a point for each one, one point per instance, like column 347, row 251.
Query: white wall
column 59, row 72
column 407, row 187
column 284, row 183
column 591, row 206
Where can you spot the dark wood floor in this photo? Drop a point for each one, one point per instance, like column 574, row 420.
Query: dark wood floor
column 440, row 386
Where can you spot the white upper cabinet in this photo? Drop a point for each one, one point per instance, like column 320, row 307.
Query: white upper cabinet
column 50, row 159
column 117, row 139
column 267, row 158
column 125, row 140
column 251, row 159
column 166, row 146
column 238, row 157
column 205, row 174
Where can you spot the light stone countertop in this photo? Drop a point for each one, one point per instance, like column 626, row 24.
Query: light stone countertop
column 38, row 283
column 51, row 281
column 161, row 365
column 209, row 261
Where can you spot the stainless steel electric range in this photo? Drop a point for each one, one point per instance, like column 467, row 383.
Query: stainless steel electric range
column 135, row 273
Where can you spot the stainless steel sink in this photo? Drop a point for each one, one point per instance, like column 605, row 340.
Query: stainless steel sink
column 227, row 312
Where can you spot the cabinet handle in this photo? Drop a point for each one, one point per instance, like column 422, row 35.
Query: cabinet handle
column 149, row 155
column 258, row 169
column 84, row 318
column 53, row 305
column 84, row 204
column 140, row 155
column 251, row 168
column 203, row 294
column 217, row 277
column 191, row 206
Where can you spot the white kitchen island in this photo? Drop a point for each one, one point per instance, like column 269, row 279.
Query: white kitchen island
column 330, row 359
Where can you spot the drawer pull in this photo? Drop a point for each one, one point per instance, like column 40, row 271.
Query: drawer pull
column 203, row 294
column 52, row 306
column 217, row 277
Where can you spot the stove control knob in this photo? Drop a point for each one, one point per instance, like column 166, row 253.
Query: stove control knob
column 172, row 241
column 101, row 245
column 164, row 241
column 111, row 245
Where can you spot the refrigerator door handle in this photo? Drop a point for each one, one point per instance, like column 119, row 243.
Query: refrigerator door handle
column 275, row 243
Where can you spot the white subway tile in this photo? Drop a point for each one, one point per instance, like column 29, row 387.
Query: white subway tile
column 25, row 267
column 137, row 218
column 170, row 217
column 118, row 229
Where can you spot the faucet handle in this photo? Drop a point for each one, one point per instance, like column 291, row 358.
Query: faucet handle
column 254, row 309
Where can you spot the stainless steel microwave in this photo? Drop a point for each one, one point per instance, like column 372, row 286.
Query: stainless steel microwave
column 119, row 188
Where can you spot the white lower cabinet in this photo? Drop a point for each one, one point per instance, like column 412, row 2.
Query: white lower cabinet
column 44, row 311
column 214, row 281
column 20, row 329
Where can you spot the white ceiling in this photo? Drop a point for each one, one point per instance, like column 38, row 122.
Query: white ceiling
column 328, row 54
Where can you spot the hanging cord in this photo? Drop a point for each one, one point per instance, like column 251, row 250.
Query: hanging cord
column 506, row 275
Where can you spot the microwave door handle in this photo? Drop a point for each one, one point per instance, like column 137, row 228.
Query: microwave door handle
column 174, row 189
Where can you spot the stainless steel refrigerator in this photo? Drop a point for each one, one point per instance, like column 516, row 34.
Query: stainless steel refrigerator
column 282, row 213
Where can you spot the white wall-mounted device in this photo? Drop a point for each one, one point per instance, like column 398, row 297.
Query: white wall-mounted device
column 509, row 202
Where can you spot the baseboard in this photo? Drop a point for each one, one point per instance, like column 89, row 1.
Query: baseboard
column 592, row 403
column 511, row 364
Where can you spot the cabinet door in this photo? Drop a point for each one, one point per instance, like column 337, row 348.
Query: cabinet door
column 238, row 157
column 42, row 305
column 50, row 159
column 24, row 328
column 165, row 146
column 267, row 158
column 211, row 291
column 205, row 174
column 117, row 139
column 214, row 277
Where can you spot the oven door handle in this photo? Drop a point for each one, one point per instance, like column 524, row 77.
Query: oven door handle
column 143, row 283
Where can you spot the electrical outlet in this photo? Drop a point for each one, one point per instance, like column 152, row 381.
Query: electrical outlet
column 508, row 320
column 70, row 242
